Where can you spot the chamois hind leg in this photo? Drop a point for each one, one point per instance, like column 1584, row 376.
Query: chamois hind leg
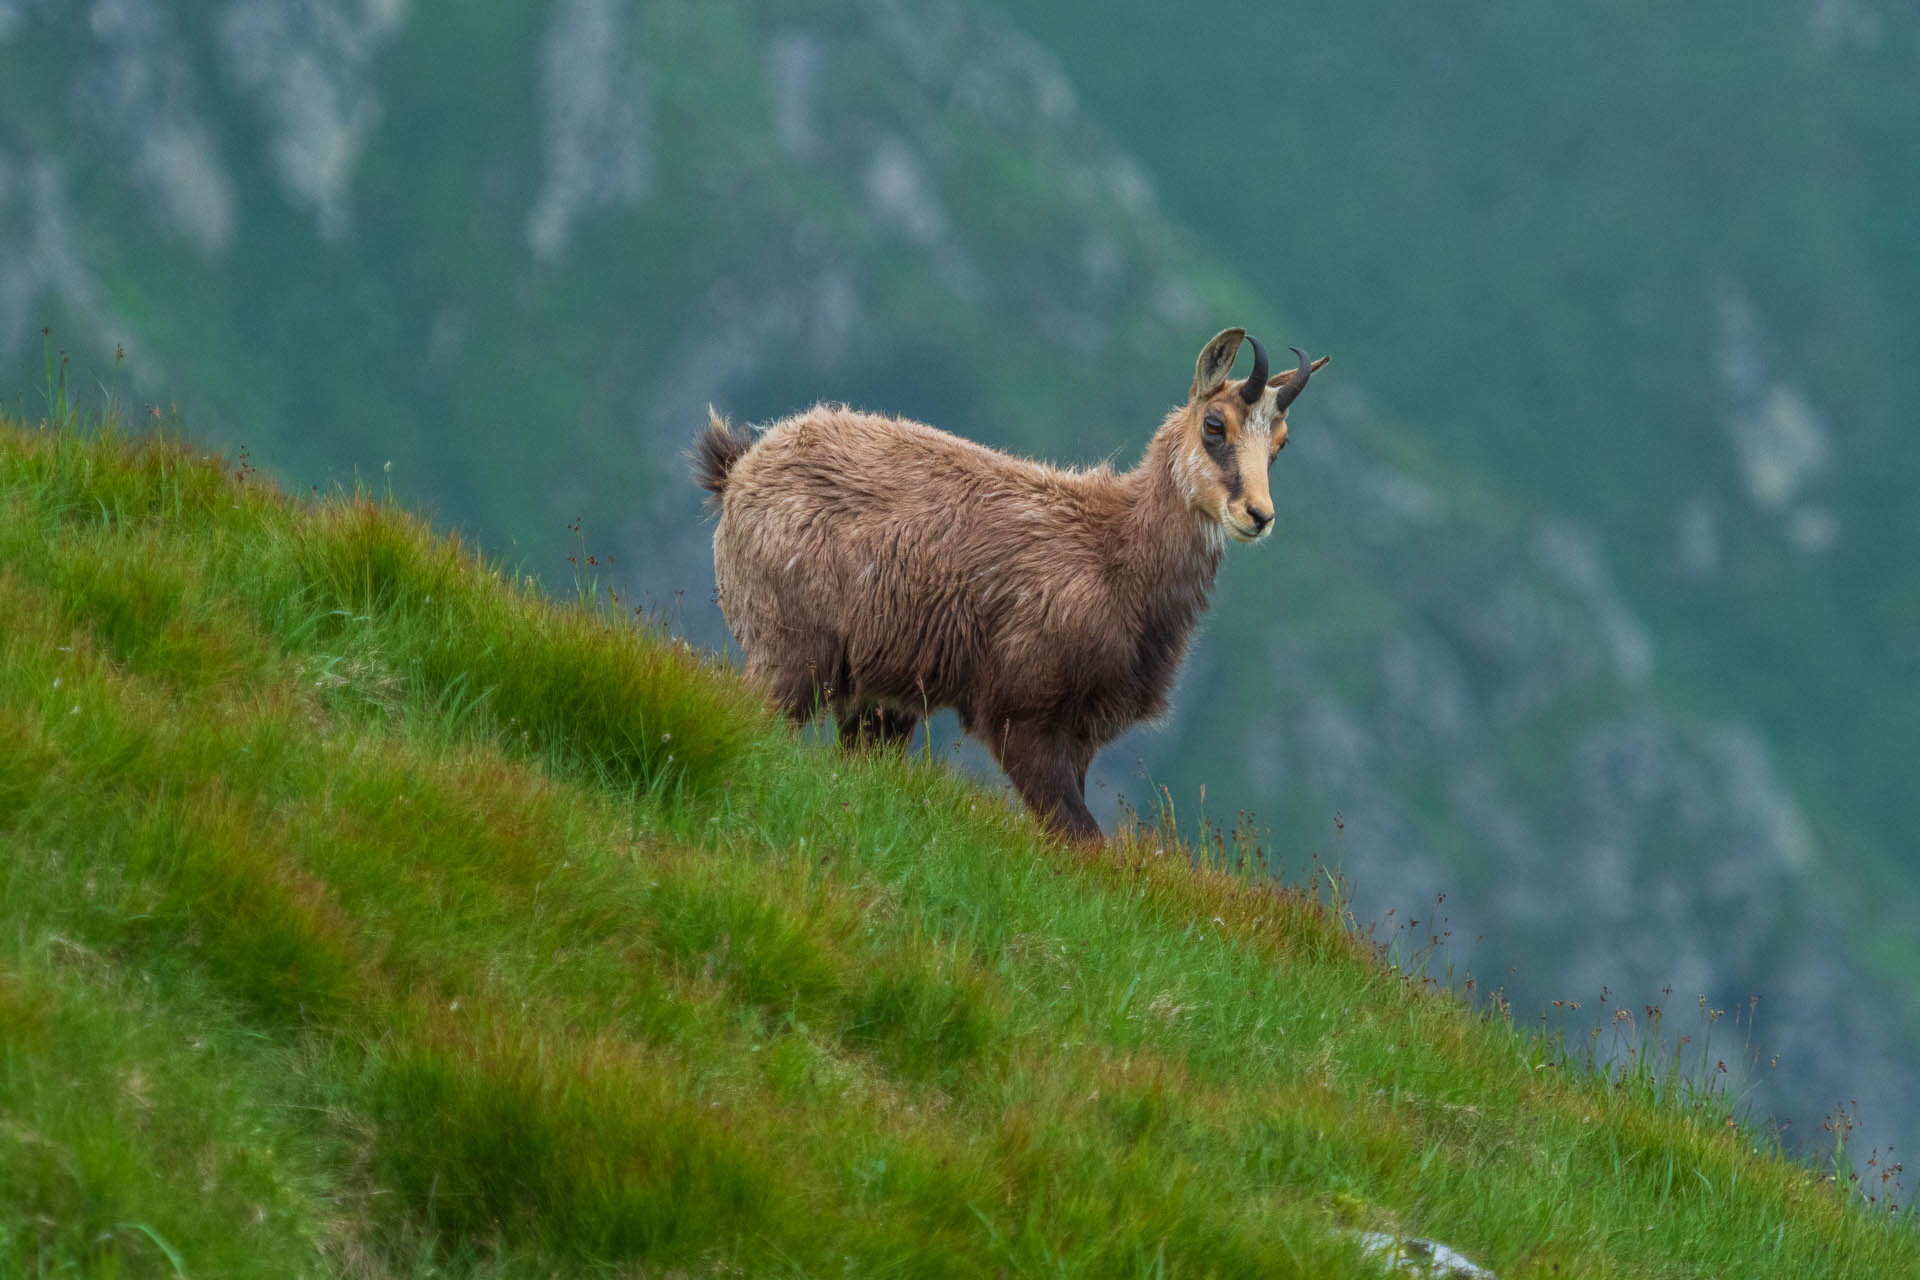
column 893, row 728
column 877, row 727
column 1049, row 769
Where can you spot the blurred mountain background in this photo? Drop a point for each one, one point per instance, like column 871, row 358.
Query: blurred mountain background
column 1594, row 601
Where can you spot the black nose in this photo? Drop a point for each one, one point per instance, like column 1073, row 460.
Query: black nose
column 1261, row 519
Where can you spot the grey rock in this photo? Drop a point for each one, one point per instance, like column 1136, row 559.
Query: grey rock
column 1409, row 1256
column 795, row 59
column 1781, row 441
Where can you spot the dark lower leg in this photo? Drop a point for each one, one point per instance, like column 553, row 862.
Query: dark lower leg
column 880, row 727
column 1049, row 771
column 893, row 728
column 795, row 692
column 804, row 677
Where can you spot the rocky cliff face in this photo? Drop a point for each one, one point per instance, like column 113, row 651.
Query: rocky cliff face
column 527, row 273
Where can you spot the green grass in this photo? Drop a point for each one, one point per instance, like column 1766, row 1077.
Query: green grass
column 367, row 913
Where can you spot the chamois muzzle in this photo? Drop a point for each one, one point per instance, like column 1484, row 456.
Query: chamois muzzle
column 1256, row 384
column 1290, row 389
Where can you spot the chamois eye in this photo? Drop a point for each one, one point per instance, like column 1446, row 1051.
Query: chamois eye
column 1216, row 424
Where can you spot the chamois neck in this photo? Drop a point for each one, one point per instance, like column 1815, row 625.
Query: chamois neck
column 1173, row 550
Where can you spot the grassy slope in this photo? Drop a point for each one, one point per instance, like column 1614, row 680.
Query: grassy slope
column 550, row 398
column 366, row 912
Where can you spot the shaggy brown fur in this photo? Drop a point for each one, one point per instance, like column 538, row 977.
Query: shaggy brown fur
column 882, row 569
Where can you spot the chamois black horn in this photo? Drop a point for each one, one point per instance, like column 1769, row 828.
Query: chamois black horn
column 1256, row 385
column 1290, row 389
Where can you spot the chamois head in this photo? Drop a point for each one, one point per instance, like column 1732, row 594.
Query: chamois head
column 1230, row 432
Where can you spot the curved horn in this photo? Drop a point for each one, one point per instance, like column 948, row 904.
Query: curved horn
column 1290, row 389
column 1256, row 385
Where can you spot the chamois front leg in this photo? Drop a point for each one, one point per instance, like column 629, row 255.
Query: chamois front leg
column 801, row 676
column 1049, row 769
column 792, row 688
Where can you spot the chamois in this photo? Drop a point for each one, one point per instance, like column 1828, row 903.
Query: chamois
column 882, row 568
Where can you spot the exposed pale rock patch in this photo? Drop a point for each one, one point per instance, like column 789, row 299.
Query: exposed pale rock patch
column 595, row 121
column 1427, row 1259
column 138, row 89
column 308, row 64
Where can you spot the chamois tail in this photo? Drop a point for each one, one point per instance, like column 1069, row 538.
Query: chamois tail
column 715, row 450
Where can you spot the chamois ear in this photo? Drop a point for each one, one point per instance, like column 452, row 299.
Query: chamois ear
column 1215, row 363
column 1286, row 375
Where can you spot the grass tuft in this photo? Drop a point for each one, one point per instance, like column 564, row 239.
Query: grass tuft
column 584, row 1148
